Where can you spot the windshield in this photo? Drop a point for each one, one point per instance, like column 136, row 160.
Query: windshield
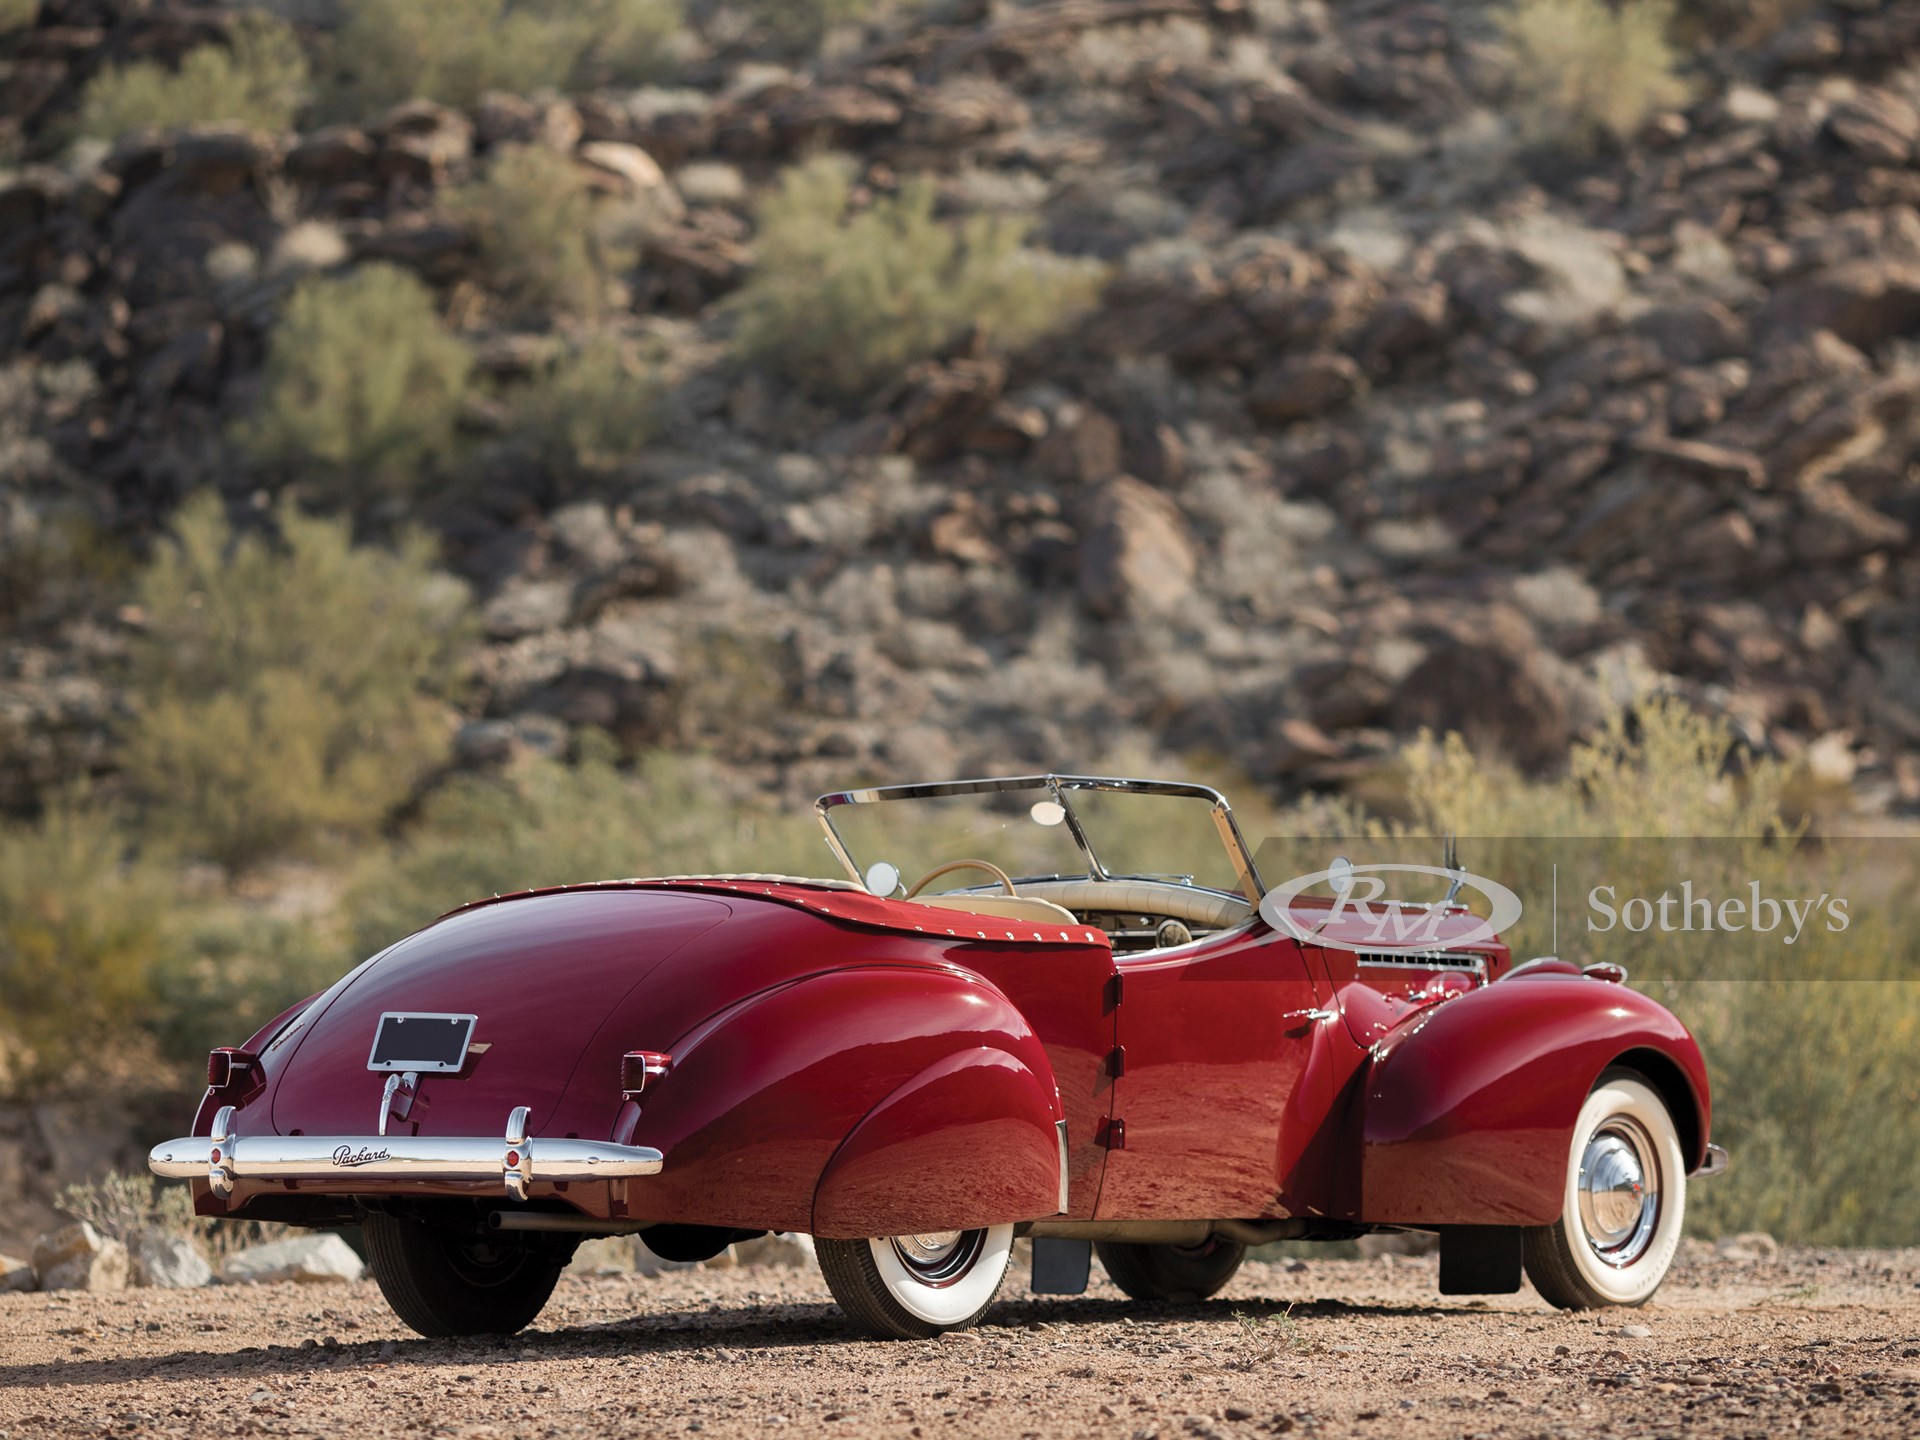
column 1042, row 827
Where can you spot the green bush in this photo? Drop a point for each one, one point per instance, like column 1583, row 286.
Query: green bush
column 840, row 301
column 79, row 924
column 454, row 51
column 539, row 232
column 258, row 78
column 553, row 824
column 286, row 691
column 589, row 409
column 1587, row 71
column 363, row 383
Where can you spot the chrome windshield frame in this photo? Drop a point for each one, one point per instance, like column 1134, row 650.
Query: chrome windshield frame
column 1059, row 787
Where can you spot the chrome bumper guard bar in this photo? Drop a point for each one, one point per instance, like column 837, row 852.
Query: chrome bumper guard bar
column 1714, row 1164
column 512, row 1162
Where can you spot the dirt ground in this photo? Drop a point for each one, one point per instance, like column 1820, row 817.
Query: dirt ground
column 1819, row 1342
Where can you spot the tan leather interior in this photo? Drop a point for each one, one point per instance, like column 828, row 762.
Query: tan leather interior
column 1143, row 897
column 1010, row 907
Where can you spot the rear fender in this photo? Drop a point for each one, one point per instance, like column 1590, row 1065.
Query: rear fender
column 762, row 1098
column 1467, row 1112
column 971, row 1140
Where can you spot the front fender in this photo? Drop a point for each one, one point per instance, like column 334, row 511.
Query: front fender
column 1467, row 1112
column 969, row 1141
column 859, row 1068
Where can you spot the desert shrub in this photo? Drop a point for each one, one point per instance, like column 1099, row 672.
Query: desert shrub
column 454, row 51
column 802, row 23
column 841, row 300
column 258, row 78
column 231, row 968
column 549, row 823
column 542, row 238
column 124, row 1206
column 1587, row 71
column 587, row 410
column 287, row 690
column 362, row 385
column 80, row 920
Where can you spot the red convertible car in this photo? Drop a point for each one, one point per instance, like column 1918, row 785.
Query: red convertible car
column 1117, row 1037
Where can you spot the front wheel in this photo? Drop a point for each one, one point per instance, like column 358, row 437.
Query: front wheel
column 1171, row 1272
column 912, row 1287
column 443, row 1282
column 1624, row 1205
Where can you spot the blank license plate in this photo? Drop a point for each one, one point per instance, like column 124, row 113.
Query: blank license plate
column 421, row 1042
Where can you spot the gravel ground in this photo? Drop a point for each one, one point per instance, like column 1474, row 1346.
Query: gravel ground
column 1823, row 1342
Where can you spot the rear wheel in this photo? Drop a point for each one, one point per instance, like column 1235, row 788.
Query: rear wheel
column 1171, row 1272
column 1624, row 1204
column 911, row 1287
column 443, row 1282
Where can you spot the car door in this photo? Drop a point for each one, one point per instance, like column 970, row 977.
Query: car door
column 1218, row 1103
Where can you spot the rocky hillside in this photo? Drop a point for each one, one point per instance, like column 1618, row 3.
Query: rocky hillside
column 1391, row 413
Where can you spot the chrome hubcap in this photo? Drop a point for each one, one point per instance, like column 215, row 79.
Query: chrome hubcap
column 1619, row 1192
column 939, row 1257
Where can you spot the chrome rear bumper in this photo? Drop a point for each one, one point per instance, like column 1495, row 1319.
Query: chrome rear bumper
column 512, row 1163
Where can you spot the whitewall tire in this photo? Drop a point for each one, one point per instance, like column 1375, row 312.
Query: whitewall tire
column 1624, row 1204
column 910, row 1287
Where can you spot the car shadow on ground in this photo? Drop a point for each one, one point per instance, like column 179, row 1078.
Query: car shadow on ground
column 770, row 1328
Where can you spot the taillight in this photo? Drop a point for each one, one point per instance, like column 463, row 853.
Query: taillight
column 639, row 1069
column 227, row 1066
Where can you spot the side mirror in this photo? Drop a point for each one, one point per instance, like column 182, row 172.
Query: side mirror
column 882, row 879
column 1340, row 874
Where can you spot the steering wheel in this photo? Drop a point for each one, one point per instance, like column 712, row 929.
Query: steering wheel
column 939, row 870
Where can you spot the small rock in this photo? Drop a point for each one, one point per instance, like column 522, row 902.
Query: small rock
column 311, row 1259
column 78, row 1257
column 1749, row 1246
column 1634, row 1332
column 168, row 1262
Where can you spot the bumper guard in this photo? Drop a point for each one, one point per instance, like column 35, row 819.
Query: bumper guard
column 513, row 1162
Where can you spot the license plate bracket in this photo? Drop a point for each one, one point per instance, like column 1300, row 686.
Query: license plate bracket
column 409, row 1040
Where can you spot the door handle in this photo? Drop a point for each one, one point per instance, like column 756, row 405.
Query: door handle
column 1315, row 1015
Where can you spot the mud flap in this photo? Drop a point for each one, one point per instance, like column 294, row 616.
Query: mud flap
column 1478, row 1259
column 1061, row 1267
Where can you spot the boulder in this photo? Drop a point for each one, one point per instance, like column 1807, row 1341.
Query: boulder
column 1496, row 689
column 16, row 1275
column 78, row 1257
column 1303, row 386
column 1136, row 557
column 310, row 1259
column 168, row 1262
column 785, row 1251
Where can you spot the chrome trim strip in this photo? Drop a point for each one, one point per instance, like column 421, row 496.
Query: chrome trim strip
column 1060, row 1129
column 1715, row 1164
column 416, row 1157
